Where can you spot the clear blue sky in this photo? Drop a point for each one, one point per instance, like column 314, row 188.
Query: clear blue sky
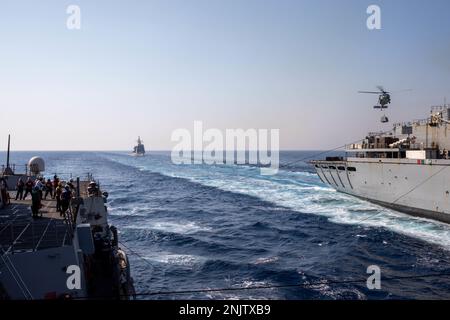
column 149, row 67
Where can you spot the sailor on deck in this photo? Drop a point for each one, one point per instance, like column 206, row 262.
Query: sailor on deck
column 4, row 191
column 28, row 188
column 20, row 186
column 66, row 196
column 36, row 198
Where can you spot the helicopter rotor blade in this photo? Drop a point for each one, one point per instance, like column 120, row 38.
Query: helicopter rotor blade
column 373, row 92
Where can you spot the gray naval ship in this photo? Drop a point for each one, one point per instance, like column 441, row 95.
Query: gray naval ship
column 139, row 150
column 75, row 256
column 406, row 169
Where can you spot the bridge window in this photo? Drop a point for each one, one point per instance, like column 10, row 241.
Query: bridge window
column 341, row 168
column 353, row 169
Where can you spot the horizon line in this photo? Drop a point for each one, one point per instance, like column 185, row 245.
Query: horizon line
column 160, row 150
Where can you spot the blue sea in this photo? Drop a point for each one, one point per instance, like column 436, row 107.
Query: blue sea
column 227, row 226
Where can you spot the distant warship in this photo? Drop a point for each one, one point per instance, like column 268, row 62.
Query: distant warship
column 139, row 150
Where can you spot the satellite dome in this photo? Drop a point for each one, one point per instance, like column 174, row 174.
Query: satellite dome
column 36, row 165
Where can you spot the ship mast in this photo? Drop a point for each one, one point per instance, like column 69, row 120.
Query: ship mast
column 8, row 169
column 7, row 154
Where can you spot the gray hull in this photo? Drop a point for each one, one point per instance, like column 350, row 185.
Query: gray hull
column 419, row 188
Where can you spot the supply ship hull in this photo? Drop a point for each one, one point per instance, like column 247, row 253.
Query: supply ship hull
column 410, row 186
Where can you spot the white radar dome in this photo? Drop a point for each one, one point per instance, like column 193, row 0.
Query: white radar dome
column 36, row 165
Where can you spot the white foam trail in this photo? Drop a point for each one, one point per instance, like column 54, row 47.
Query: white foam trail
column 175, row 259
column 182, row 227
column 248, row 295
column 266, row 260
column 305, row 193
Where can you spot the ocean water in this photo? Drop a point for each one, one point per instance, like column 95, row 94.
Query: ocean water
column 196, row 227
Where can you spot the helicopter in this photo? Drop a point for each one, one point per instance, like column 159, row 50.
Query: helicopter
column 384, row 99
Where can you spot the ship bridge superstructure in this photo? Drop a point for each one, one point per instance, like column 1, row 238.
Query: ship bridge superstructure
column 419, row 139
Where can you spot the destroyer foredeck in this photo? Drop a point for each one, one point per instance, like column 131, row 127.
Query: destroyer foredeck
column 54, row 247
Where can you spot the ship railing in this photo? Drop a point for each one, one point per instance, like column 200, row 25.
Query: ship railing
column 421, row 122
column 24, row 170
column 18, row 169
column 404, row 124
column 416, row 122
column 64, row 176
column 379, row 133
